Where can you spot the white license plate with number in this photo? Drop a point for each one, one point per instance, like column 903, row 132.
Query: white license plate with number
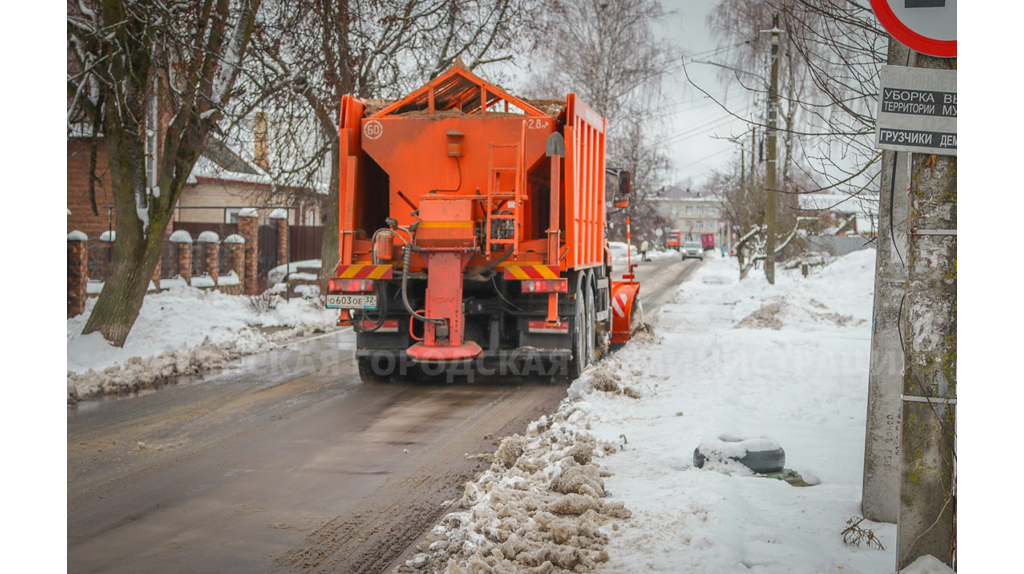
column 340, row 301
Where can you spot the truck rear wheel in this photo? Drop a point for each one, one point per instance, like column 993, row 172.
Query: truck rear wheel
column 579, row 357
column 590, row 322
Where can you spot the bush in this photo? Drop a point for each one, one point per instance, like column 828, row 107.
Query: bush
column 264, row 302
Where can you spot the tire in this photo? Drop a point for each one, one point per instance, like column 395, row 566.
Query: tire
column 579, row 359
column 591, row 324
column 762, row 456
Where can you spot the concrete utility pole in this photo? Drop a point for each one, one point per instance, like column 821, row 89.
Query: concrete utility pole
column 928, row 449
column 770, row 182
column 885, row 378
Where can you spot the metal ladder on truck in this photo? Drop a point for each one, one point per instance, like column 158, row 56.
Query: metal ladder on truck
column 503, row 206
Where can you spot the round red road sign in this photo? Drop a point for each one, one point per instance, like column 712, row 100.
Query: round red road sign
column 927, row 26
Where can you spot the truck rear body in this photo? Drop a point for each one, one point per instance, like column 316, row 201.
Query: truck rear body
column 473, row 221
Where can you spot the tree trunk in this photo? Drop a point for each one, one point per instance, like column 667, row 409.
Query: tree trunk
column 329, row 245
column 137, row 249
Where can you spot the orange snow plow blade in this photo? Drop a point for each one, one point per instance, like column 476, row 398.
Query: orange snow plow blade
column 625, row 294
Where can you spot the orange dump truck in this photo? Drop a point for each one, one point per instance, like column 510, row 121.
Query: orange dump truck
column 472, row 234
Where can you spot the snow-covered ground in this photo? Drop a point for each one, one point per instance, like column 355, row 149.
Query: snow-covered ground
column 185, row 330
column 607, row 483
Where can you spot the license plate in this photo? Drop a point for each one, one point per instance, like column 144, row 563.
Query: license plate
column 340, row 301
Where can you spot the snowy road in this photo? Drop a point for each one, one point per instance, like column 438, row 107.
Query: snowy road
column 287, row 462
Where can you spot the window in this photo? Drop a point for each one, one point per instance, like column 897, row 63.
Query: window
column 700, row 210
column 689, row 209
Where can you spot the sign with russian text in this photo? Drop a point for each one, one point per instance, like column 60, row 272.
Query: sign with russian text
column 917, row 110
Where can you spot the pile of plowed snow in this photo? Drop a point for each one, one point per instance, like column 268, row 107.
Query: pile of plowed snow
column 183, row 331
column 542, row 506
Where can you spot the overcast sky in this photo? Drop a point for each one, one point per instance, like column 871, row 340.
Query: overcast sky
column 694, row 123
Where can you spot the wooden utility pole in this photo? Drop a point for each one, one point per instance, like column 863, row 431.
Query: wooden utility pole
column 885, row 377
column 927, row 518
column 770, row 180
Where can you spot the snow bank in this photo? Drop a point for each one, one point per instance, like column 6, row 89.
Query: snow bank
column 542, row 506
column 184, row 330
column 927, row 565
column 706, row 371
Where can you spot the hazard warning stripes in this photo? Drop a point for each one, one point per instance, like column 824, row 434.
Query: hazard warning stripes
column 619, row 305
column 364, row 271
column 521, row 272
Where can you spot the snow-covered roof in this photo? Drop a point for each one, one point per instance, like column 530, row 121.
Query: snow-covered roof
column 181, row 236
column 279, row 214
column 827, row 202
column 77, row 235
column 234, row 238
column 108, row 236
column 206, row 168
column 221, row 162
column 248, row 212
column 676, row 193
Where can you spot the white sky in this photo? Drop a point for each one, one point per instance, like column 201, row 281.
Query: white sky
column 695, row 125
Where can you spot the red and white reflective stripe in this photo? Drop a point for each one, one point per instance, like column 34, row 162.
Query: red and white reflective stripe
column 388, row 326
column 543, row 327
column 619, row 305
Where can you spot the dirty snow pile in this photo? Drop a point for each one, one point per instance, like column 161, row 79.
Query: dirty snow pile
column 786, row 363
column 541, row 507
column 183, row 331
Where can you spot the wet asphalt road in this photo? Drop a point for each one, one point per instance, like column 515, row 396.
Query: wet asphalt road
column 286, row 462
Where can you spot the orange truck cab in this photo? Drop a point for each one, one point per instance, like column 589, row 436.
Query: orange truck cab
column 672, row 240
column 472, row 234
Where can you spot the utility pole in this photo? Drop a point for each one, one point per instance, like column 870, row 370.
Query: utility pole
column 927, row 519
column 926, row 319
column 770, row 180
column 881, row 492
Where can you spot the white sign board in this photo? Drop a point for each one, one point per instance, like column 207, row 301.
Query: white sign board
column 917, row 110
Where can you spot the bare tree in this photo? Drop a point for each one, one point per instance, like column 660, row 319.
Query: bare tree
column 131, row 66
column 830, row 55
column 606, row 52
column 310, row 53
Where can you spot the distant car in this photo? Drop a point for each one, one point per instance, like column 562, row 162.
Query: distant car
column 693, row 249
column 619, row 249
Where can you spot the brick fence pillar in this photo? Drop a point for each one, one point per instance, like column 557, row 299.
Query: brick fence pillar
column 280, row 218
column 211, row 254
column 236, row 250
column 248, row 227
column 182, row 241
column 78, row 271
